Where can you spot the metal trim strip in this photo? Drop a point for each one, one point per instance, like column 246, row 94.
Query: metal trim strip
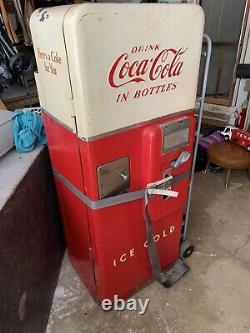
column 112, row 201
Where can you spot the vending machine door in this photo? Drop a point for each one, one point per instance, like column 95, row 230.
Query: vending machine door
column 53, row 77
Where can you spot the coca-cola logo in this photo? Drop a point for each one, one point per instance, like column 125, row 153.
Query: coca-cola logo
column 166, row 64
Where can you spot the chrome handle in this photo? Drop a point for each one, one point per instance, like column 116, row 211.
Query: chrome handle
column 183, row 158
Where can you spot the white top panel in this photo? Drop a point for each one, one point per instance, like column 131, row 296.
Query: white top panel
column 52, row 79
column 128, row 63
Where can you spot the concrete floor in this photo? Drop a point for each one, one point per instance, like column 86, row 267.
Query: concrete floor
column 213, row 297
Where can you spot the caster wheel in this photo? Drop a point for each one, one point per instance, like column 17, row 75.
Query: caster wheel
column 186, row 249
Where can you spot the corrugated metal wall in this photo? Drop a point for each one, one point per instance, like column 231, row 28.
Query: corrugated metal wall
column 223, row 24
column 223, row 19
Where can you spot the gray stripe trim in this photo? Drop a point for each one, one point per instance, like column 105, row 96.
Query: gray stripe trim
column 180, row 177
column 103, row 203
column 119, row 130
column 112, row 201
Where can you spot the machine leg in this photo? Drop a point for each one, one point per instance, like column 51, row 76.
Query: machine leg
column 227, row 177
column 207, row 166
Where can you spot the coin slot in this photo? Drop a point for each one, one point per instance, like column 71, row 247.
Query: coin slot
column 113, row 178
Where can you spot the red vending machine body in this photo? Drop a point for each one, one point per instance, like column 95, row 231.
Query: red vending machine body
column 108, row 246
column 120, row 122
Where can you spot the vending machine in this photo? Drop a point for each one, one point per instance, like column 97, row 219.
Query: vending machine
column 117, row 83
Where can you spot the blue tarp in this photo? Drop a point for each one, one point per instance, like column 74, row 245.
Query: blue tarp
column 28, row 130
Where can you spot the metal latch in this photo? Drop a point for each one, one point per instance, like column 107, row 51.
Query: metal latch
column 167, row 193
column 162, row 187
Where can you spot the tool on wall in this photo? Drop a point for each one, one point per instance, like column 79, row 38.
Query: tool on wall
column 8, row 24
column 23, row 20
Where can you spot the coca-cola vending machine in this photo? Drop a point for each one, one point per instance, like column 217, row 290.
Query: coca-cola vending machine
column 118, row 84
